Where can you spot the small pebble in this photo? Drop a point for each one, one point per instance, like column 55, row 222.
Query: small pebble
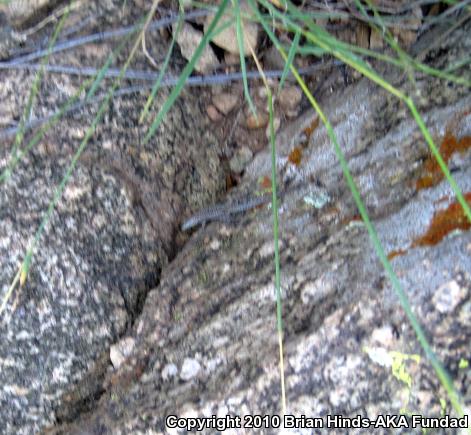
column 225, row 102
column 190, row 369
column 213, row 113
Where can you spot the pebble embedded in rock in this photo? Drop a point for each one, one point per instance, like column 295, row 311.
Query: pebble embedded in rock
column 240, row 160
column 213, row 113
column 169, row 371
column 225, row 102
column 121, row 350
column 227, row 39
column 448, row 296
column 188, row 39
column 290, row 98
column 253, row 122
column 190, row 369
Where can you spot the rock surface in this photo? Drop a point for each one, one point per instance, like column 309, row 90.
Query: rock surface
column 345, row 333
column 108, row 238
column 227, row 38
column 188, row 40
column 204, row 342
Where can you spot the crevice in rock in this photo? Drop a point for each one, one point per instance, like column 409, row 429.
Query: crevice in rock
column 84, row 395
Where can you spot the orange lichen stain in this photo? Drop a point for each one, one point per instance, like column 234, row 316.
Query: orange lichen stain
column 265, row 183
column 432, row 173
column 296, row 153
column 396, row 253
column 308, row 132
column 348, row 220
column 311, row 127
column 295, row 156
column 445, row 221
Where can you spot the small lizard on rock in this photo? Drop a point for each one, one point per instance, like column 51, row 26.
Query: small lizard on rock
column 226, row 211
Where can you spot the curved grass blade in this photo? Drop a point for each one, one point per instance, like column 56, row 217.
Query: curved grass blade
column 274, row 203
column 322, row 36
column 94, row 82
column 442, row 374
column 185, row 73
column 404, row 58
column 328, row 43
column 158, row 82
column 25, row 266
column 32, row 96
column 289, row 61
column 240, row 43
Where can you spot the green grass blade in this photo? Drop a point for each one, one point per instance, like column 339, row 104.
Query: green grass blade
column 289, row 61
column 404, row 58
column 279, row 317
column 93, row 82
column 25, row 266
column 308, row 50
column 156, row 86
column 442, row 375
column 240, row 43
column 328, row 43
column 334, row 44
column 458, row 64
column 99, row 78
column 32, row 96
column 185, row 73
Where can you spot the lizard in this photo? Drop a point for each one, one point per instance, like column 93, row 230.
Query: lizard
column 226, row 211
column 230, row 210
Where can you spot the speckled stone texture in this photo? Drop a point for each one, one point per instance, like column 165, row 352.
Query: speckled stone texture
column 204, row 342
column 110, row 235
column 207, row 334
